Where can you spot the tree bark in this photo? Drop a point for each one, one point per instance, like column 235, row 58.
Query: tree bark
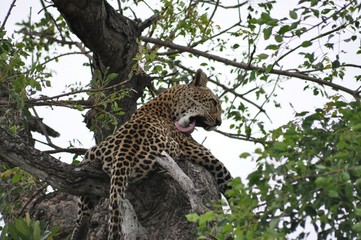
column 112, row 39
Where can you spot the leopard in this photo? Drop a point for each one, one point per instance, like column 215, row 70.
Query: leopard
column 164, row 123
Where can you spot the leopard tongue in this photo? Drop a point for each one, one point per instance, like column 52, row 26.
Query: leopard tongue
column 188, row 129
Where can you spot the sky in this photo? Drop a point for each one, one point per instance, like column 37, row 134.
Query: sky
column 70, row 122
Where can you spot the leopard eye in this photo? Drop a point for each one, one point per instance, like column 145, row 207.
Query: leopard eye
column 214, row 102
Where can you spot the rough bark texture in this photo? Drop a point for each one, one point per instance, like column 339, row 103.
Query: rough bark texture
column 160, row 203
column 112, row 38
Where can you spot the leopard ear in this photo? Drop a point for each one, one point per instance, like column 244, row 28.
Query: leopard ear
column 200, row 79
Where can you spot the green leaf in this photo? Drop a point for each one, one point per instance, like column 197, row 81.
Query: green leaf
column 280, row 146
column 267, row 33
column 321, row 167
column 358, row 211
column 158, row 68
column 284, row 29
column 336, row 64
column 27, row 218
column 273, row 223
column 265, row 17
column 245, row 155
column 13, row 232
column 263, row 56
column 207, row 217
column 293, row 14
column 321, row 181
column 357, row 171
column 345, row 176
column 193, row 217
column 301, row 114
column 278, row 38
column 357, row 227
column 36, row 230
column 16, row 178
column 349, row 191
column 332, row 193
column 21, row 227
column 306, row 44
column 272, row 47
column 111, row 77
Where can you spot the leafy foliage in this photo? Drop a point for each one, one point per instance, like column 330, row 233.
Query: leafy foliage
column 16, row 183
column 29, row 229
column 309, row 171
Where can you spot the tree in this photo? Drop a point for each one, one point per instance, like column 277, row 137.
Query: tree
column 133, row 56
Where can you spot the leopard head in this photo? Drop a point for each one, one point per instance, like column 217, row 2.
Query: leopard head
column 197, row 106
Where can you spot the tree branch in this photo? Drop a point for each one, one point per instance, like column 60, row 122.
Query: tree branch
column 245, row 66
column 8, row 14
column 184, row 181
column 241, row 137
column 75, row 180
column 147, row 22
column 78, row 151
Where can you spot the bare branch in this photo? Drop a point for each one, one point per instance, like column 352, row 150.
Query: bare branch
column 240, row 137
column 352, row 65
column 32, row 197
column 78, row 151
column 131, row 227
column 51, row 37
column 8, row 14
column 184, row 181
column 147, row 22
column 63, row 55
column 62, row 103
column 225, row 7
column 241, row 96
column 43, row 131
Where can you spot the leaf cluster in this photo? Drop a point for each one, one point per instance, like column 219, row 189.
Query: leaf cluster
column 308, row 177
column 15, row 184
column 29, row 229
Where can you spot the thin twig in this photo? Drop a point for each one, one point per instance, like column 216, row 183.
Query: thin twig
column 211, row 17
column 227, row 7
column 240, row 137
column 8, row 14
column 45, row 133
column 78, row 151
column 311, row 40
column 36, row 193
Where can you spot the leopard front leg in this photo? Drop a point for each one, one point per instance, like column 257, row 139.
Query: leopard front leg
column 200, row 155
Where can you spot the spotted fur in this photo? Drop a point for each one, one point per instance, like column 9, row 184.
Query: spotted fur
column 130, row 154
